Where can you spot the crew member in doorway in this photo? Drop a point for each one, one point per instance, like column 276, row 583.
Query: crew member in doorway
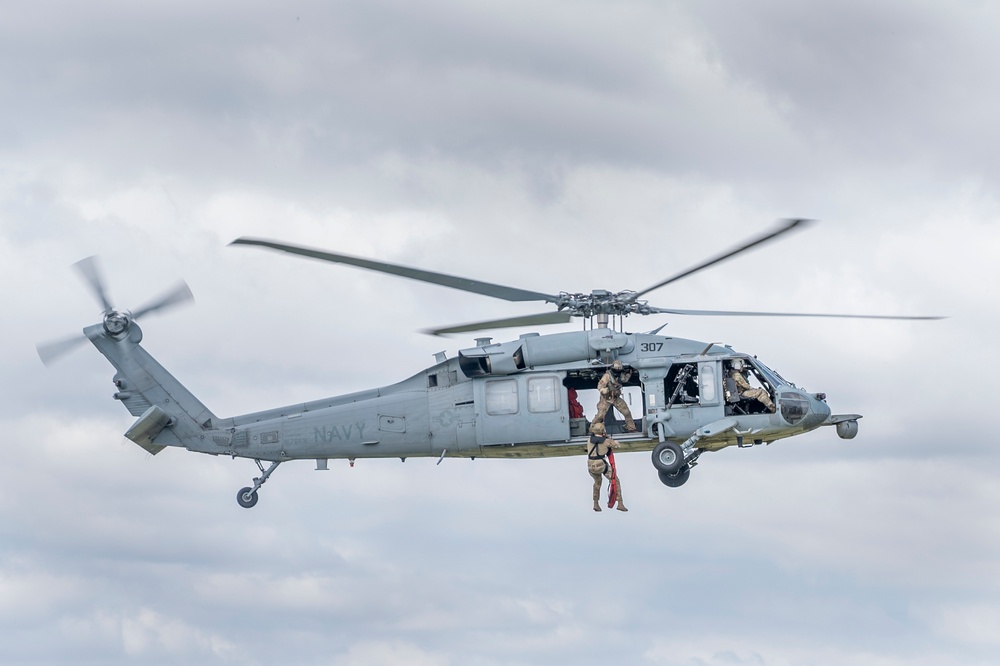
column 743, row 386
column 598, row 448
column 610, row 388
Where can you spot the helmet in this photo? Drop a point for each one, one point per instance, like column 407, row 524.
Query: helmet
column 617, row 365
column 598, row 429
column 737, row 364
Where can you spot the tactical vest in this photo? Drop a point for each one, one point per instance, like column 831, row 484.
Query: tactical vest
column 593, row 454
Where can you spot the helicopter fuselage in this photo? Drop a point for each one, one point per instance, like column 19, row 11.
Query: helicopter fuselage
column 495, row 400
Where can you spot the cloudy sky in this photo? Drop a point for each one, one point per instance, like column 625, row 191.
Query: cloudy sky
column 545, row 145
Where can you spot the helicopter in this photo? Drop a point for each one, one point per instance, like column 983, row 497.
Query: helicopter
column 492, row 400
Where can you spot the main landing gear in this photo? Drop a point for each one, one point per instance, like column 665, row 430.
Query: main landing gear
column 247, row 497
column 675, row 480
column 672, row 466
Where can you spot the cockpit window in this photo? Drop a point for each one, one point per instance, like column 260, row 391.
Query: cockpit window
column 748, row 388
column 773, row 378
column 794, row 407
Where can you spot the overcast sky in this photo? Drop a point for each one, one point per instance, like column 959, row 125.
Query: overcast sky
column 552, row 146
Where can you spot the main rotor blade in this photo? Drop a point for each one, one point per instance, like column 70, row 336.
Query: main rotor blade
column 87, row 267
column 464, row 284
column 729, row 313
column 179, row 294
column 50, row 351
column 542, row 319
column 788, row 226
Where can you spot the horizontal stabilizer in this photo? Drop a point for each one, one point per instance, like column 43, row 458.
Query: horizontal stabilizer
column 834, row 419
column 150, row 424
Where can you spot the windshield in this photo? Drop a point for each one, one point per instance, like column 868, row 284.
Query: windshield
column 772, row 377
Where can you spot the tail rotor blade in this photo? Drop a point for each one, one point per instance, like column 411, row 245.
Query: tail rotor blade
column 87, row 268
column 179, row 294
column 50, row 351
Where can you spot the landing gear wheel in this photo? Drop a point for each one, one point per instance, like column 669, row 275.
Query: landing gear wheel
column 675, row 480
column 247, row 497
column 668, row 457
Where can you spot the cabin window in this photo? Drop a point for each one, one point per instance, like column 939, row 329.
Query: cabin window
column 501, row 397
column 681, row 385
column 706, row 381
column 543, row 394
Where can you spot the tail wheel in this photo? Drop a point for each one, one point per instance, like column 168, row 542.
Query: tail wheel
column 247, row 497
column 668, row 457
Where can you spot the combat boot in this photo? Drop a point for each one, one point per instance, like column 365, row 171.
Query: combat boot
column 618, row 497
column 597, row 499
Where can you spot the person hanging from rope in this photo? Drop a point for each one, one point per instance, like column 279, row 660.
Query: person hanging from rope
column 610, row 388
column 600, row 449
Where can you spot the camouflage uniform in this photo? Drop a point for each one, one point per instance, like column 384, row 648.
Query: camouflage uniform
column 610, row 388
column 747, row 391
column 597, row 464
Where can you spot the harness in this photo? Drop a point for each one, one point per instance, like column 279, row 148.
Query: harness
column 597, row 440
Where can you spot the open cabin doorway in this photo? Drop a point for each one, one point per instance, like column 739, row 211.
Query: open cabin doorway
column 585, row 384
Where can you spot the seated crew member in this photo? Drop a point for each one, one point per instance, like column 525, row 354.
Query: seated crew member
column 744, row 387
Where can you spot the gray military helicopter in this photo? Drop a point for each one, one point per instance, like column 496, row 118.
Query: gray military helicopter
column 493, row 400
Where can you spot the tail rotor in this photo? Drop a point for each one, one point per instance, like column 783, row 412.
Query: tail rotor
column 116, row 322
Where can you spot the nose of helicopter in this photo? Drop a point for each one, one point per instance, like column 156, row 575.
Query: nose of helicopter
column 806, row 410
column 819, row 407
column 819, row 411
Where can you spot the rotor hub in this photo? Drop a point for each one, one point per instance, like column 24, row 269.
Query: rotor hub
column 116, row 323
column 602, row 302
